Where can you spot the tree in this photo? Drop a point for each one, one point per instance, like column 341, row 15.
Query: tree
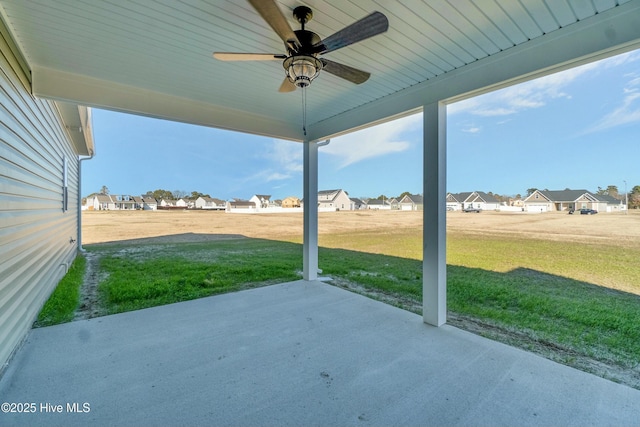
column 160, row 194
column 195, row 194
column 179, row 194
column 382, row 197
column 104, row 190
column 611, row 190
column 634, row 197
column 406, row 193
column 530, row 191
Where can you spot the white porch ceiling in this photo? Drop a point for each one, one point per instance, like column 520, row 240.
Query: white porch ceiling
column 154, row 57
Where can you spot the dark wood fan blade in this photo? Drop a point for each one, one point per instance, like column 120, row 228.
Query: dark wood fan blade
column 344, row 71
column 237, row 56
column 287, row 86
column 368, row 26
column 270, row 12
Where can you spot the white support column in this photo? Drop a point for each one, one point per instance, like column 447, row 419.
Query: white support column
column 434, row 264
column 310, row 194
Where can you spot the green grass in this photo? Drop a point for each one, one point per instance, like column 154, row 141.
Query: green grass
column 62, row 304
column 164, row 274
column 559, row 312
column 555, row 293
column 614, row 267
column 552, row 310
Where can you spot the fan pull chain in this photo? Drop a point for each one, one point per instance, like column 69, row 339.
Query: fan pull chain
column 304, row 111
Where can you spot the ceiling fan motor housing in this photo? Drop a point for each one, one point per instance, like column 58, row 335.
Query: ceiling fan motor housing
column 301, row 65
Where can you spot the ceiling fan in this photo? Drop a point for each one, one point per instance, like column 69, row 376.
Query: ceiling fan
column 303, row 47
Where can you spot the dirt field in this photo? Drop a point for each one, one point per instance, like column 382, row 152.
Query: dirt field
column 183, row 226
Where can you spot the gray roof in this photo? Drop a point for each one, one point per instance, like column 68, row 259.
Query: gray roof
column 324, row 192
column 563, row 195
column 414, row 198
column 488, row 198
column 460, row 197
column 607, row 198
column 103, row 198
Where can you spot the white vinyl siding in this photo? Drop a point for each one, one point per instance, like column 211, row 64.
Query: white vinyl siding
column 36, row 234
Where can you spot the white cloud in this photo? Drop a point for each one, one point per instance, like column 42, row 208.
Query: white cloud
column 471, row 129
column 286, row 156
column 490, row 112
column 627, row 112
column 373, row 142
column 534, row 93
column 276, row 176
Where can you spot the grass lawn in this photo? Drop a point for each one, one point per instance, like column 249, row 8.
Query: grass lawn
column 576, row 298
column 61, row 305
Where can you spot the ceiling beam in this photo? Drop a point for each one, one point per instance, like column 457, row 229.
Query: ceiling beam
column 92, row 92
column 606, row 34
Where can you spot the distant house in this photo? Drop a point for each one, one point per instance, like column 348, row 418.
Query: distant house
column 291, row 202
column 123, row 202
column 551, row 201
column 210, row 203
column 114, row 202
column 377, row 204
column 516, row 202
column 262, row 201
column 241, row 206
column 565, row 200
column 612, row 204
column 138, row 202
column 149, row 203
column 334, row 199
column 473, row 199
column 482, row 200
column 99, row 202
column 167, row 203
column 455, row 201
column 411, row 202
column 185, row 202
column 394, row 203
column 357, row 204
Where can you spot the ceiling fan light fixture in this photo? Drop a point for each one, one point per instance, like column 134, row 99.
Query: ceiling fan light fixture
column 302, row 69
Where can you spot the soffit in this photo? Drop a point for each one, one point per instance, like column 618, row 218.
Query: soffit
column 154, row 57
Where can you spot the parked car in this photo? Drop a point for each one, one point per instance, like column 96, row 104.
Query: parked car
column 588, row 211
column 472, row 209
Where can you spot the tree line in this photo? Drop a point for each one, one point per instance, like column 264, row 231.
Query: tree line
column 160, row 194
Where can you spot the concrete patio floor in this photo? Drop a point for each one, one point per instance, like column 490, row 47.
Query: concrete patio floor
column 299, row 353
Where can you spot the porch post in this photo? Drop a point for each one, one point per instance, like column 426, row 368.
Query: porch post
column 434, row 264
column 310, row 211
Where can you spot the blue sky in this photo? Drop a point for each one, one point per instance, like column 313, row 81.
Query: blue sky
column 578, row 129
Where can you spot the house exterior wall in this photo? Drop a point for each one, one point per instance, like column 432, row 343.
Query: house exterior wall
column 342, row 202
column 204, row 203
column 291, row 202
column 536, row 202
column 38, row 239
column 330, row 201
